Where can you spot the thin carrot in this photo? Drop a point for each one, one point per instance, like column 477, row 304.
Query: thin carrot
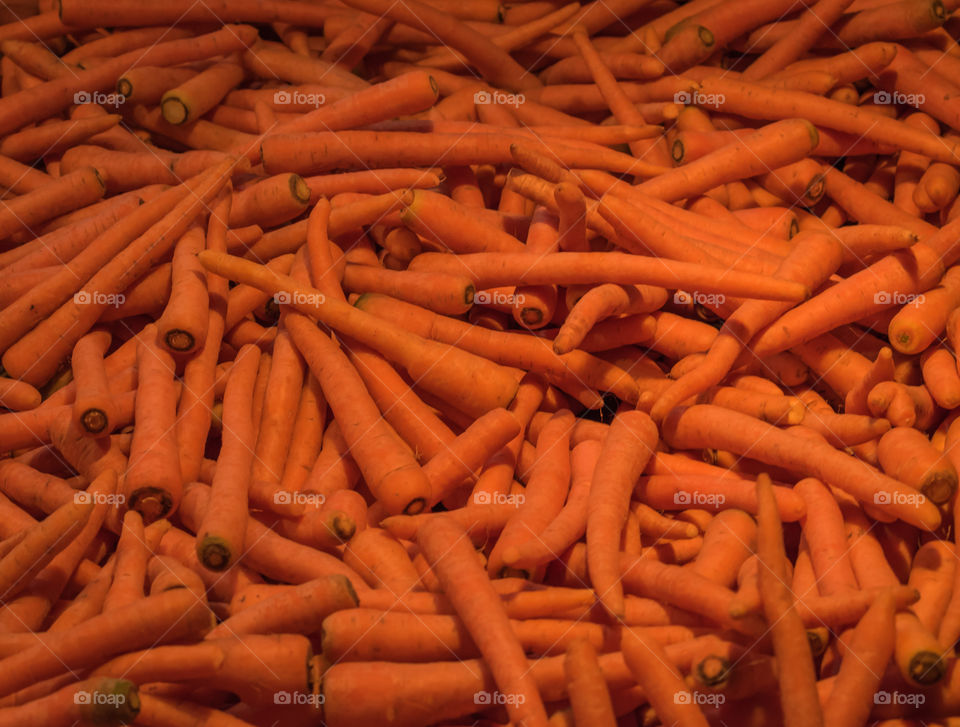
column 221, row 535
column 466, row 584
column 130, row 568
column 389, row 469
column 625, row 452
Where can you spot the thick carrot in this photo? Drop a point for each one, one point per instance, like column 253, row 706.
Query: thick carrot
column 466, row 584
column 199, row 94
column 152, row 484
column 93, row 406
column 907, row 455
column 183, row 327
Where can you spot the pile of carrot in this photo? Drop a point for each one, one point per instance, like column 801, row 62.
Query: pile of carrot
column 447, row 362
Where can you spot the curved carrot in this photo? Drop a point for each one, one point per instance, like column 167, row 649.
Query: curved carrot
column 628, row 446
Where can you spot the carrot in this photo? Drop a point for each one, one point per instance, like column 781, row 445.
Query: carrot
column 790, row 47
column 907, row 455
column 180, row 328
column 871, row 646
column 222, row 532
column 467, row 586
column 823, row 531
column 166, row 573
column 389, row 469
column 940, row 376
column 161, row 712
column 727, row 543
column 704, row 425
column 269, row 553
column 570, row 524
column 105, row 699
column 932, row 575
column 382, row 560
column 301, row 610
column 147, row 84
column 491, row 385
column 130, row 568
column 800, row 704
column 174, row 615
column 274, row 431
column 571, row 268
column 446, row 294
column 664, row 687
column 40, row 543
column 152, row 484
column 589, row 697
column 919, row 322
column 313, row 152
column 193, row 98
column 93, row 407
column 31, row 144
column 626, row 450
column 548, row 482
column 756, row 101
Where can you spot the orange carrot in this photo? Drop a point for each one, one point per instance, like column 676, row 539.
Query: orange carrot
column 466, row 585
column 625, row 452
column 222, row 532
column 93, row 407
column 152, row 484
